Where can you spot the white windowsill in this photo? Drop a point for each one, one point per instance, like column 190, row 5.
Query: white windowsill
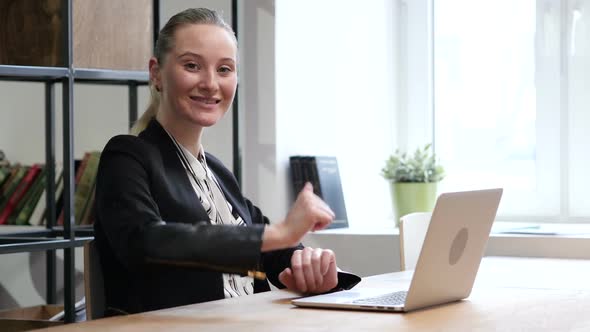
column 507, row 239
column 500, row 229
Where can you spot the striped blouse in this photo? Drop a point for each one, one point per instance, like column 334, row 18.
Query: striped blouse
column 219, row 211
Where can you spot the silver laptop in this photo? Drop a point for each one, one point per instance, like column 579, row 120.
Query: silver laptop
column 445, row 272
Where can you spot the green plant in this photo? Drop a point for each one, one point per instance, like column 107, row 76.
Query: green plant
column 422, row 166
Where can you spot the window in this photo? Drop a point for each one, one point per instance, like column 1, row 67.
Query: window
column 511, row 103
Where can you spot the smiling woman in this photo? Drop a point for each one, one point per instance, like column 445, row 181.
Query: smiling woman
column 172, row 226
column 212, row 30
column 197, row 80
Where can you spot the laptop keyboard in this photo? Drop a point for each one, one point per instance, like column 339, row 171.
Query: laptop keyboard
column 396, row 298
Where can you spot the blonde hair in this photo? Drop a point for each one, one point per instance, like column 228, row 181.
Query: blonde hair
column 165, row 43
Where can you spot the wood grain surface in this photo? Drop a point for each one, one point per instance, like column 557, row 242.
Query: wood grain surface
column 31, row 33
column 107, row 34
column 112, row 34
column 511, row 294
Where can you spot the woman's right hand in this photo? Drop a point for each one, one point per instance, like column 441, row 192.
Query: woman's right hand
column 308, row 213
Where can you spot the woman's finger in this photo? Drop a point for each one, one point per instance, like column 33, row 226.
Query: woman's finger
column 297, row 268
column 326, row 259
column 326, row 208
column 331, row 275
column 287, row 279
column 316, row 262
column 308, row 271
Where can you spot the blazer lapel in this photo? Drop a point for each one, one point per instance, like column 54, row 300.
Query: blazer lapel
column 175, row 171
column 234, row 201
column 156, row 134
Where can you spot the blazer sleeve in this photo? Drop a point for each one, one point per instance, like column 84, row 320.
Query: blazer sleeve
column 273, row 262
column 131, row 222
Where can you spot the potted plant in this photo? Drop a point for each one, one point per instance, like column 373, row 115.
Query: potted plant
column 413, row 180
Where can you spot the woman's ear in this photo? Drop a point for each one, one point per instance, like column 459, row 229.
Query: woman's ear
column 155, row 77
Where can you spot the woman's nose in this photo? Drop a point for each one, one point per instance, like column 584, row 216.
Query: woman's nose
column 208, row 80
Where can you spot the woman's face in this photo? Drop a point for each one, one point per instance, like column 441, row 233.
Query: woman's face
column 198, row 78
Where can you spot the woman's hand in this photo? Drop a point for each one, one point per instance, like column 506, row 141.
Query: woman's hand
column 312, row 271
column 308, row 213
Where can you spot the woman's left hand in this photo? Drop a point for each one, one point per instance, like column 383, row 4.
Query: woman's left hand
column 312, row 271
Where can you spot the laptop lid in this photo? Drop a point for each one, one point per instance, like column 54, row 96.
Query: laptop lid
column 451, row 253
column 453, row 247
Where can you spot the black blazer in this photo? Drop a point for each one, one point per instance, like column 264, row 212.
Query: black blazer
column 149, row 222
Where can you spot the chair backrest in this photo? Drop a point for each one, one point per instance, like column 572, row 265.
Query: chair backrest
column 93, row 282
column 412, row 231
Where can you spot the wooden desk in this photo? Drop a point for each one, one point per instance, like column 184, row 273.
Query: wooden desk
column 510, row 294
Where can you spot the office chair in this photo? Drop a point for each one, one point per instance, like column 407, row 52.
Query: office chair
column 93, row 282
column 412, row 231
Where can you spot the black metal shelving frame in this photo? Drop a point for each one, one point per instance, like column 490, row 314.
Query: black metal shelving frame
column 236, row 153
column 68, row 237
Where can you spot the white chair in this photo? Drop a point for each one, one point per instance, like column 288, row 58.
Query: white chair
column 412, row 230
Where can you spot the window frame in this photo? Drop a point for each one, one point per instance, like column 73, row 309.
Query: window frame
column 416, row 125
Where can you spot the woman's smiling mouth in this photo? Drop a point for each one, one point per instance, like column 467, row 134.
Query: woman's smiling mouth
column 205, row 101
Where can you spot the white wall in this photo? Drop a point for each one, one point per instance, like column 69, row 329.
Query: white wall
column 257, row 82
column 335, row 90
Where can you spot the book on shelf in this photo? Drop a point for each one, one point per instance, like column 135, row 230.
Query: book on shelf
column 88, row 218
column 5, row 172
column 16, row 174
column 23, row 213
column 19, row 192
column 11, row 187
column 85, row 186
column 29, row 198
column 32, row 198
column 3, row 161
column 79, row 166
column 59, row 200
column 23, row 192
column 322, row 172
column 80, row 172
column 84, row 183
column 39, row 215
column 296, row 174
column 312, row 170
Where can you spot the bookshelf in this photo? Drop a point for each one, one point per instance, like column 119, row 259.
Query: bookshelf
column 51, row 237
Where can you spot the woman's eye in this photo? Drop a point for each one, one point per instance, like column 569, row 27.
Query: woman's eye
column 191, row 66
column 225, row 70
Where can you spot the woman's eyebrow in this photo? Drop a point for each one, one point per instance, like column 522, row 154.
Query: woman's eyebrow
column 189, row 53
column 229, row 59
column 196, row 55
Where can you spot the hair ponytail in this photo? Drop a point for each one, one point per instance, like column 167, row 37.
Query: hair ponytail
column 149, row 113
